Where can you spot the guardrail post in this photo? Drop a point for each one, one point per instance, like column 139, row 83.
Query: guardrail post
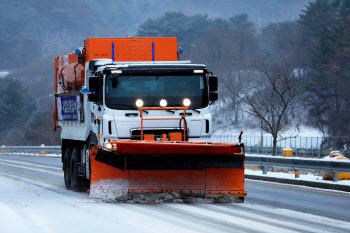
column 335, row 176
column 264, row 170
column 297, row 173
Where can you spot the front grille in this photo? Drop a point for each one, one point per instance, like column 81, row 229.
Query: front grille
column 136, row 133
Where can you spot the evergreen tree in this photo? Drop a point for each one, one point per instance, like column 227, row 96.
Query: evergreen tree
column 16, row 106
column 187, row 29
column 326, row 24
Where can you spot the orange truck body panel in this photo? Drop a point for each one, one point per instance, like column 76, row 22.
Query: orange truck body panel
column 132, row 49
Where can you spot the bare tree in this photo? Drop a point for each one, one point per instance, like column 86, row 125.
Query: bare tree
column 273, row 95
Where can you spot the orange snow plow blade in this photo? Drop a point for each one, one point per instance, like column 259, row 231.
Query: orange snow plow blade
column 203, row 169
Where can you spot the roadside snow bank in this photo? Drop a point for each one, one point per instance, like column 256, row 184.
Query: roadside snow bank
column 306, row 177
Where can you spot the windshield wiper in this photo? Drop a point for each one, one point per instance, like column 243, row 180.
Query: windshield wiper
column 194, row 110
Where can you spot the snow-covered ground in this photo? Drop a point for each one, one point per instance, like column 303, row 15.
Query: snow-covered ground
column 28, row 206
column 4, row 73
column 33, row 199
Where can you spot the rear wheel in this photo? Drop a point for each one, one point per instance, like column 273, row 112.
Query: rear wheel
column 66, row 168
column 75, row 179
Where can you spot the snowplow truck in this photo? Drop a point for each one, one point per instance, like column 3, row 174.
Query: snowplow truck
column 134, row 118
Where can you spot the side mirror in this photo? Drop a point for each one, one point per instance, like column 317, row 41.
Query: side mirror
column 95, row 87
column 213, row 83
column 114, row 78
column 213, row 96
column 94, row 84
column 92, row 67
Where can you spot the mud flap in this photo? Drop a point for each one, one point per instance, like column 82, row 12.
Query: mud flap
column 111, row 158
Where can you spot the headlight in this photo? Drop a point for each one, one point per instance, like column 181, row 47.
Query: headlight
column 139, row 103
column 187, row 102
column 108, row 146
column 111, row 146
column 163, row 103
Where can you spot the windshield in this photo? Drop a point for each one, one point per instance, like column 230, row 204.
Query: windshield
column 122, row 92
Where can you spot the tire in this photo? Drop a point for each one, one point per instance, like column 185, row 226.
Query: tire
column 76, row 181
column 241, row 199
column 66, row 166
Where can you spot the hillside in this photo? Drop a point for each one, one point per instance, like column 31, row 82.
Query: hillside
column 35, row 28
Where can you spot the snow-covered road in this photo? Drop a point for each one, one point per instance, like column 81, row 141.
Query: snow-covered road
column 33, row 199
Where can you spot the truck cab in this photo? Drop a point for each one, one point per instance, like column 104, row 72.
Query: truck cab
column 119, row 88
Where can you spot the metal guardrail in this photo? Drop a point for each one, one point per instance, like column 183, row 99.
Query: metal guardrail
column 299, row 142
column 31, row 149
column 311, row 146
column 300, row 163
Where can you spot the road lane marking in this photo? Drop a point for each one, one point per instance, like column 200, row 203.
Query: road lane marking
column 317, row 218
column 31, row 164
column 33, row 169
